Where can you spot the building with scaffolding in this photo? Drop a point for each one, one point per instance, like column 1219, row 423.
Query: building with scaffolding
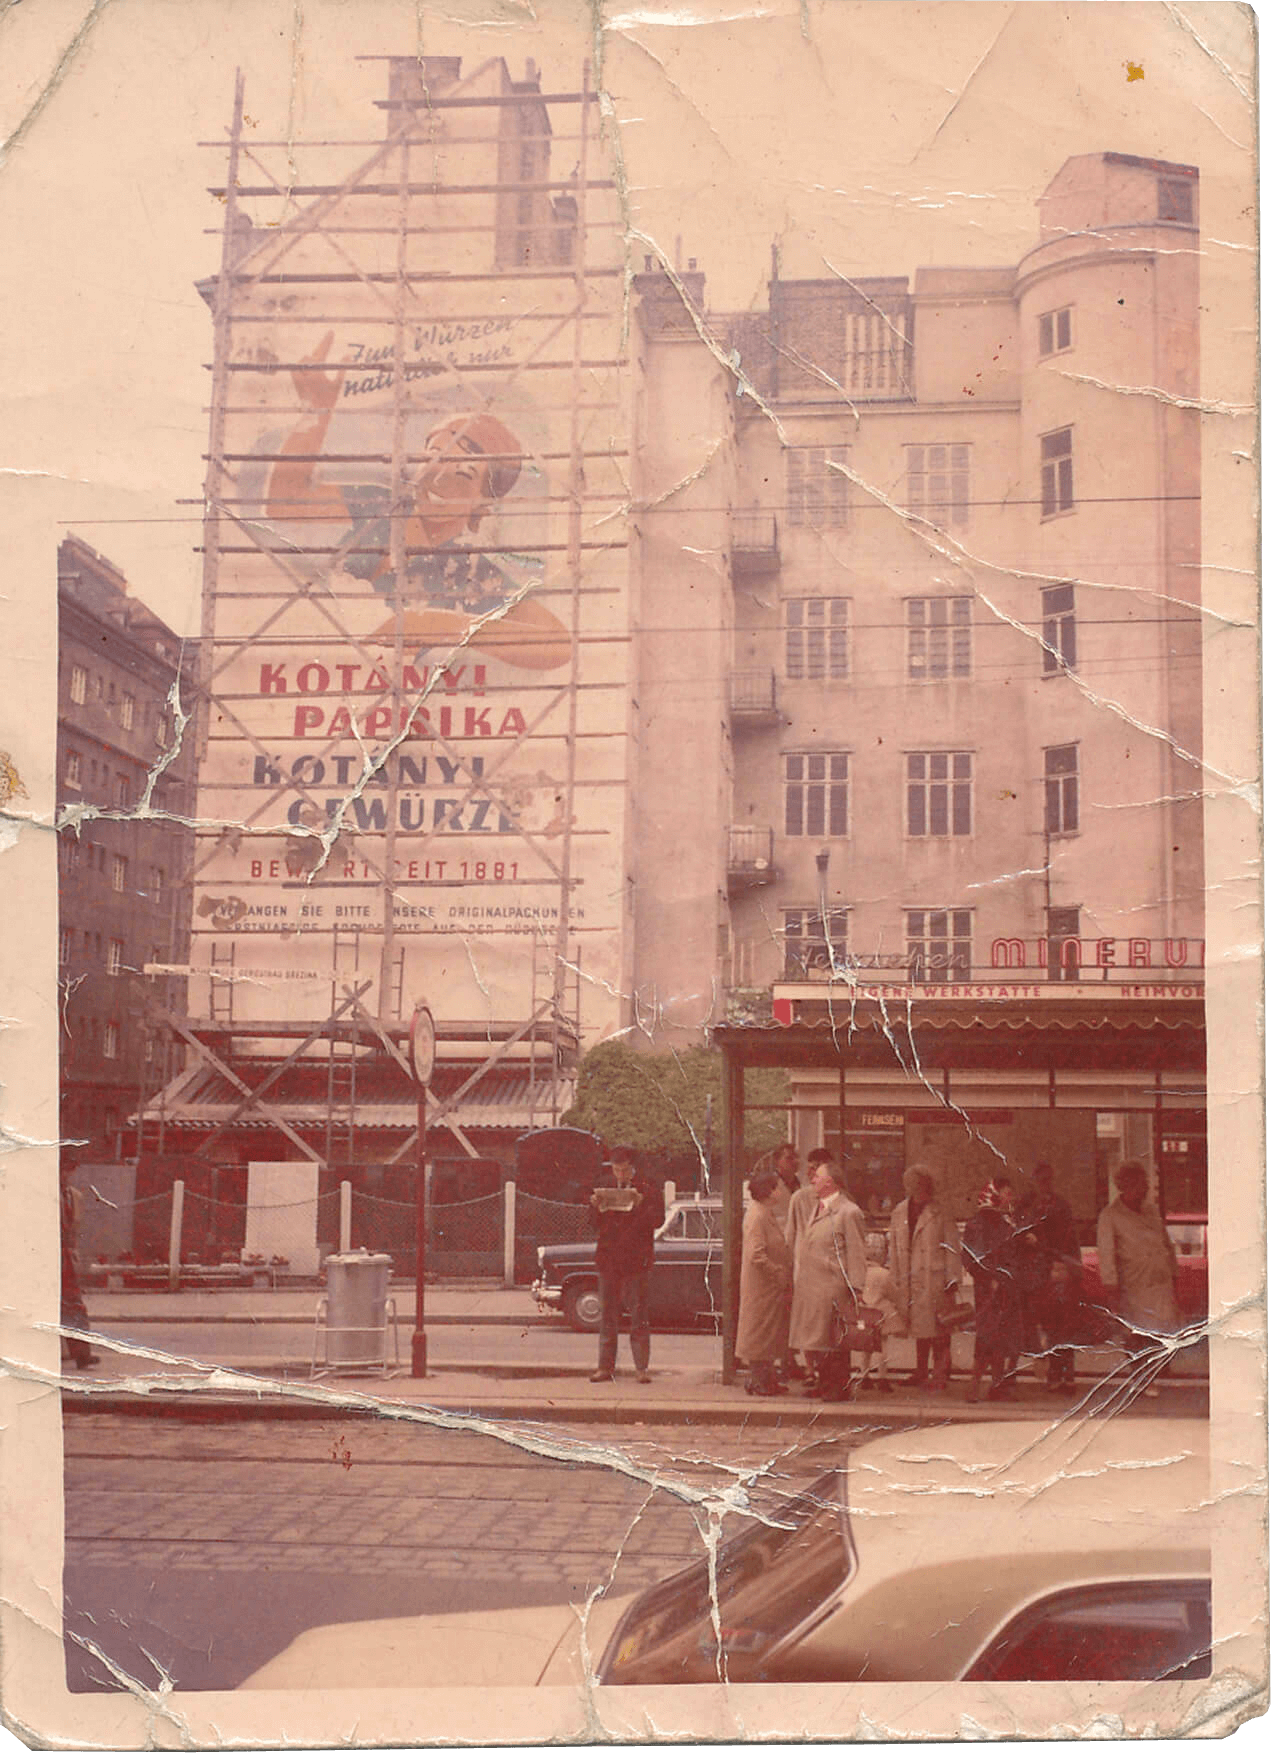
column 419, row 720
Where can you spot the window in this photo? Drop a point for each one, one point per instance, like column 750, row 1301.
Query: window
column 79, row 684
column 938, row 483
column 939, row 794
column 115, row 957
column 1055, row 331
column 939, row 945
column 71, row 770
column 1058, row 628
column 119, row 873
column 817, row 794
column 1175, row 201
column 97, row 686
column 111, row 1040
column 877, row 354
column 1063, row 934
column 66, row 938
column 814, row 942
column 939, row 639
column 128, row 708
column 149, row 1048
column 817, row 638
column 1108, row 1631
column 122, row 789
column 1056, row 492
column 817, row 487
column 155, row 882
column 1062, row 790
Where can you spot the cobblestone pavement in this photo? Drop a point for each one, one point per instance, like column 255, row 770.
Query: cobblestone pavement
column 546, row 1502
column 209, row 1545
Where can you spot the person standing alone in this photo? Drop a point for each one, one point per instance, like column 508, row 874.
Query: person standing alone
column 625, row 1228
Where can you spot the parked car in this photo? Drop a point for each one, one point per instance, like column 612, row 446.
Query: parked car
column 684, row 1288
column 1190, row 1236
column 978, row 1551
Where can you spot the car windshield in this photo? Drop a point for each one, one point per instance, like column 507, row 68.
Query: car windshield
column 769, row 1579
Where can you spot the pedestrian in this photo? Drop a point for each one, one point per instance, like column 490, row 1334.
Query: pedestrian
column 1137, row 1263
column 925, row 1264
column 830, row 1271
column 991, row 1250
column 73, row 1313
column 764, row 1300
column 627, row 1215
column 881, row 1295
column 800, row 1209
column 1052, row 1277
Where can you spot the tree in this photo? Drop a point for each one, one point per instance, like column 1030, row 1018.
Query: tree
column 657, row 1102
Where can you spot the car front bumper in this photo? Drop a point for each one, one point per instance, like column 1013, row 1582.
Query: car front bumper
column 549, row 1296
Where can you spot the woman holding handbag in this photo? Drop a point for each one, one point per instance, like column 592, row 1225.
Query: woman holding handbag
column 764, row 1289
column 830, row 1274
column 925, row 1264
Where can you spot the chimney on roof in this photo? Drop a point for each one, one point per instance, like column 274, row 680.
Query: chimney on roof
column 413, row 78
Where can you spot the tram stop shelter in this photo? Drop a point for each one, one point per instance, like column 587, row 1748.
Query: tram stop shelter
column 976, row 1078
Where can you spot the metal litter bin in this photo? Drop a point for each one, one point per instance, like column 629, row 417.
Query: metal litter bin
column 354, row 1312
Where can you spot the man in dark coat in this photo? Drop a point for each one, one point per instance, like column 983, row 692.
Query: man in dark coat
column 74, row 1313
column 624, row 1258
column 993, row 1252
column 1053, row 1275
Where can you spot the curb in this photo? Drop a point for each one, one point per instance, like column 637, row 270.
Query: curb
column 222, row 1407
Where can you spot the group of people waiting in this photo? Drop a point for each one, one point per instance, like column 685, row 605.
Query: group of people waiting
column 816, row 1285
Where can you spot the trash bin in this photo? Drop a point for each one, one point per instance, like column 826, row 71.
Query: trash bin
column 356, row 1312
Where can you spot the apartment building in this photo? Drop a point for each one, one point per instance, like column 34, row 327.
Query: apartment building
column 965, row 690
column 124, row 899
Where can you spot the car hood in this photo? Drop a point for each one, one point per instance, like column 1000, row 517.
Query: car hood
column 505, row 1646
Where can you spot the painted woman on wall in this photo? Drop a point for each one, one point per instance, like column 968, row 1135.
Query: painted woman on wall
column 471, row 462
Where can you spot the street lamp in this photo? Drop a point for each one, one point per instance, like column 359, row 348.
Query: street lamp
column 422, row 1055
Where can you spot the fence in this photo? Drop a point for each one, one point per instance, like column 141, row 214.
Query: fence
column 188, row 1236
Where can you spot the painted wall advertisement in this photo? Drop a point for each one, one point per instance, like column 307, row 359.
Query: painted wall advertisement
column 448, row 751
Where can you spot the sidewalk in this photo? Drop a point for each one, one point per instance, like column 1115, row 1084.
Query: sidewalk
column 533, row 1368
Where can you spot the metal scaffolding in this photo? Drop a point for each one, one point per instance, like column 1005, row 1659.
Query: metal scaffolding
column 433, row 221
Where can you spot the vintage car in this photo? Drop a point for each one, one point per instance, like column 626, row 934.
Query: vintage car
column 977, row 1551
column 684, row 1289
column 1189, row 1234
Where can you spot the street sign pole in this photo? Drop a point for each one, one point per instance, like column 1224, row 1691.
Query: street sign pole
column 422, row 1055
column 418, row 1355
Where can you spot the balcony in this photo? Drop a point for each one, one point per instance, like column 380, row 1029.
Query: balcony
column 753, row 699
column 750, row 858
column 753, row 545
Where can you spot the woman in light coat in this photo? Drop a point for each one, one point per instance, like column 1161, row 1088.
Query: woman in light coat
column 764, row 1296
column 925, row 1264
column 830, row 1269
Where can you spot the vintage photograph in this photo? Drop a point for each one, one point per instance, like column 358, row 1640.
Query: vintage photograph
column 636, row 737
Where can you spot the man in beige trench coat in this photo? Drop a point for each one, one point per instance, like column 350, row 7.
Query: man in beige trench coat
column 830, row 1268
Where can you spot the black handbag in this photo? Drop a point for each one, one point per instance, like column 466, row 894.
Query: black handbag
column 858, row 1327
